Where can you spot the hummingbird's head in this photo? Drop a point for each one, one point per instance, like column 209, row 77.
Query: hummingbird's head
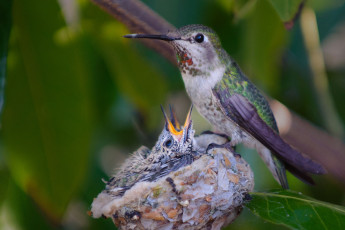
column 176, row 139
column 197, row 47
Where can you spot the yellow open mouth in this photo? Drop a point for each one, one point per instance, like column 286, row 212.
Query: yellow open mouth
column 174, row 126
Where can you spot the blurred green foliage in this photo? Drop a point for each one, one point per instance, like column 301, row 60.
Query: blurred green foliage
column 286, row 9
column 79, row 97
column 5, row 28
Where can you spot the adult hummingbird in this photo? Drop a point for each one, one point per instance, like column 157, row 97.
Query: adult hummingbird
column 231, row 102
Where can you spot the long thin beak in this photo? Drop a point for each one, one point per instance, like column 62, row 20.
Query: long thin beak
column 188, row 118
column 159, row 37
column 174, row 118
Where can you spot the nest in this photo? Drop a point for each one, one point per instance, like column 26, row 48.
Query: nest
column 207, row 194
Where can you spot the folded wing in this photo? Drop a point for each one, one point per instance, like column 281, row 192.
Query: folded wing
column 239, row 109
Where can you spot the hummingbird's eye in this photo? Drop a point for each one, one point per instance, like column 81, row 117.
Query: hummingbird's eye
column 168, row 143
column 199, row 38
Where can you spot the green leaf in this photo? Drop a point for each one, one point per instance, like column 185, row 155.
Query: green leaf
column 287, row 9
column 4, row 180
column 5, row 26
column 296, row 211
column 47, row 116
column 134, row 76
column 22, row 212
column 262, row 44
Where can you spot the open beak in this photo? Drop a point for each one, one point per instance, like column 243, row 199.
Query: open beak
column 174, row 127
column 188, row 119
column 170, row 126
column 174, row 119
column 149, row 36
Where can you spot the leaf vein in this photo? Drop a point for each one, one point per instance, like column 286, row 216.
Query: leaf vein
column 339, row 209
column 325, row 227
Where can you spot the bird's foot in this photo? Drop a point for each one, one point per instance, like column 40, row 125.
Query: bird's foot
column 226, row 145
column 247, row 197
column 234, row 148
column 212, row 146
column 218, row 134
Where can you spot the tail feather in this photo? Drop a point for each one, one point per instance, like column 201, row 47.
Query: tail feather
column 300, row 175
column 240, row 110
column 246, row 115
column 280, row 172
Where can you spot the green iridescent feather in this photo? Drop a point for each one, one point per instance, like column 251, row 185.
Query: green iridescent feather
column 234, row 81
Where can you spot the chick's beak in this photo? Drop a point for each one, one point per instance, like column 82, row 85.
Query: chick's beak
column 188, row 121
column 171, row 126
column 174, row 119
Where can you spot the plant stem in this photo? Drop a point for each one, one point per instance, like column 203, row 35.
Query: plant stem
column 317, row 65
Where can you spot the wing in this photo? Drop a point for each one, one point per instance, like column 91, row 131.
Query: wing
column 117, row 186
column 161, row 170
column 239, row 109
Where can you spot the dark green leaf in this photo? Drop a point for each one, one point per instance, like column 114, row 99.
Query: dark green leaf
column 23, row 212
column 5, row 26
column 296, row 211
column 287, row 9
column 4, row 178
column 47, row 116
column 133, row 75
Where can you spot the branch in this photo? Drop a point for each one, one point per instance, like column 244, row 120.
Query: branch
column 312, row 141
column 138, row 18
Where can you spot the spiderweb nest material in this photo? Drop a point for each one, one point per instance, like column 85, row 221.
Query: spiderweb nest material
column 207, row 194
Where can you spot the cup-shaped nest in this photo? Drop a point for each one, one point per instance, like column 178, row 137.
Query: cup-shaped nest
column 207, row 194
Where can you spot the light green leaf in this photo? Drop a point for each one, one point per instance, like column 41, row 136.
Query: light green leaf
column 287, row 9
column 296, row 211
column 47, row 116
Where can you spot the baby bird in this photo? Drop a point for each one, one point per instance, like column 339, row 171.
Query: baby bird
column 173, row 150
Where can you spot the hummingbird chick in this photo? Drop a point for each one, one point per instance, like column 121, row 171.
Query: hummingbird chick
column 231, row 102
column 174, row 149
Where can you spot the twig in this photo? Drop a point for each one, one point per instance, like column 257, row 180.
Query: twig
column 315, row 143
column 289, row 24
column 317, row 65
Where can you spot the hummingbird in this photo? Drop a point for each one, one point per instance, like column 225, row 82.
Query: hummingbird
column 224, row 95
column 173, row 150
